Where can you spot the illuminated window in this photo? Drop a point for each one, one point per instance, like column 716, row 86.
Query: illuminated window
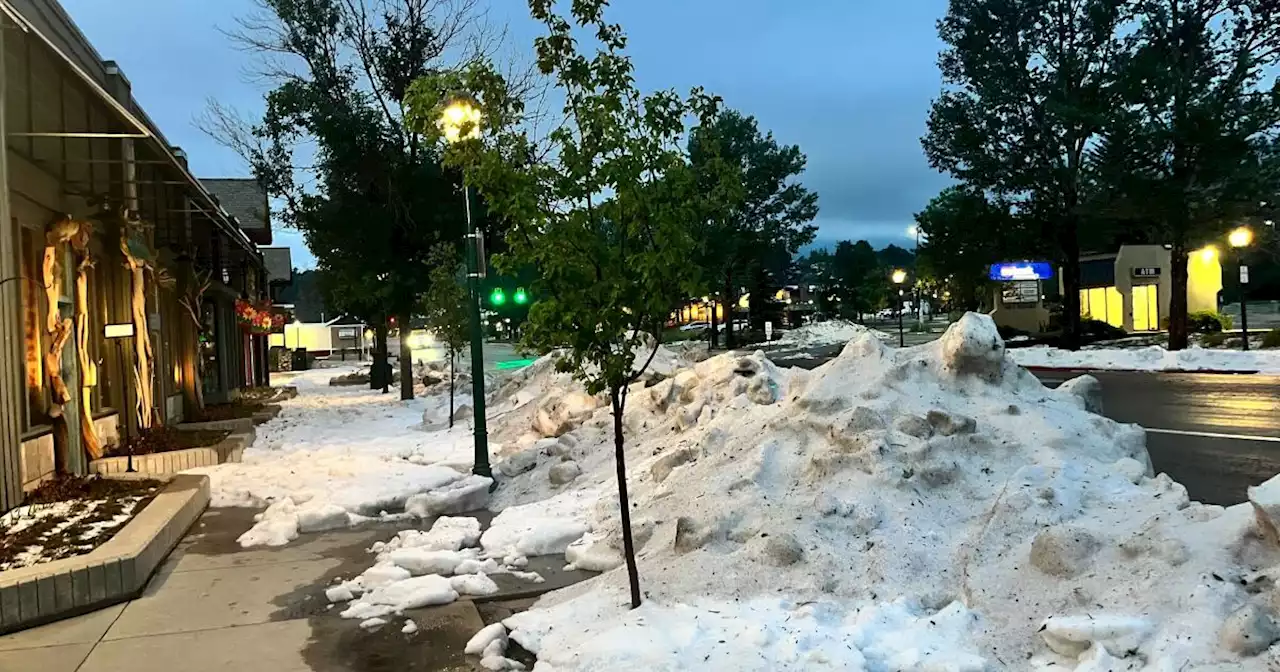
column 1103, row 304
column 1146, row 308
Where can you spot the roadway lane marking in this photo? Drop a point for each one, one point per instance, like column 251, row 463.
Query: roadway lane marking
column 1215, row 435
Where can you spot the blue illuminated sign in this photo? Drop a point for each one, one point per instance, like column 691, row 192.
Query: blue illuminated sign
column 1022, row 270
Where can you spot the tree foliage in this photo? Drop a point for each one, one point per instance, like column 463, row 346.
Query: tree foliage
column 963, row 233
column 1185, row 154
column 369, row 194
column 757, row 215
column 606, row 221
column 1029, row 86
column 445, row 307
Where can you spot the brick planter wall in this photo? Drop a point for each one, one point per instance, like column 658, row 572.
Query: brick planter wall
column 114, row 572
column 231, row 449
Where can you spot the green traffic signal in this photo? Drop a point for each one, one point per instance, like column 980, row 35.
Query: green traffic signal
column 498, row 297
column 521, row 297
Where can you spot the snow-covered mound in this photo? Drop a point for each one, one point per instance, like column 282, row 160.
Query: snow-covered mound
column 827, row 333
column 1150, row 358
column 928, row 508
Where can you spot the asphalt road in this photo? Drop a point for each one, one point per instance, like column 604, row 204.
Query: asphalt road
column 1216, row 434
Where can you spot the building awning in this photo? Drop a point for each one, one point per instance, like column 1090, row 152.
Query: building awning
column 142, row 131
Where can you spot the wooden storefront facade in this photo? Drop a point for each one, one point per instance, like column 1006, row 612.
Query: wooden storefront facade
column 102, row 229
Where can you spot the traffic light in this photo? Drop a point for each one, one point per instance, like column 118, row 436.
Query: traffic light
column 521, row 297
column 498, row 297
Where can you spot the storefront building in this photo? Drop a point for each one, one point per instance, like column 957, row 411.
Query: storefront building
column 1131, row 288
column 118, row 268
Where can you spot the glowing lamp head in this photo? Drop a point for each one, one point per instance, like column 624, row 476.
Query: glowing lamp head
column 1208, row 253
column 460, row 120
column 1240, row 237
column 899, row 276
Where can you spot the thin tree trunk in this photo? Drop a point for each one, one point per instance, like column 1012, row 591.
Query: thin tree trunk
column 375, row 373
column 379, row 378
column 406, row 359
column 453, row 357
column 1069, row 246
column 1178, row 301
column 619, row 456
column 730, row 300
column 715, row 325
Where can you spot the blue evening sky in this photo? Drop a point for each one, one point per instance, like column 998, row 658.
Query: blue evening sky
column 848, row 80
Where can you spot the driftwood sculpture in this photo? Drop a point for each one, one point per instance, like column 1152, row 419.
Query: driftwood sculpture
column 192, row 299
column 60, row 232
column 88, row 368
column 138, row 258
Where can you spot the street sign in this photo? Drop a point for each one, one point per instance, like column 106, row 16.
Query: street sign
column 1021, row 270
column 1244, row 274
column 1145, row 271
column 768, row 331
column 124, row 330
column 1021, row 292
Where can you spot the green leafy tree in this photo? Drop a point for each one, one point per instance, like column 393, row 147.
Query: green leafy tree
column 369, row 195
column 1185, row 155
column 860, row 284
column 758, row 215
column 445, row 308
column 1029, row 86
column 964, row 232
column 604, row 222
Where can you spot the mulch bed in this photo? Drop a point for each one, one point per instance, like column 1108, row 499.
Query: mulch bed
column 233, row 411
column 167, row 439
column 70, row 516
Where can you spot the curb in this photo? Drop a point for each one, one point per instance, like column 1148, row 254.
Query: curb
column 115, row 572
column 1082, row 370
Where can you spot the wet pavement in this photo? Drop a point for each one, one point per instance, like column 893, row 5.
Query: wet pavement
column 215, row 606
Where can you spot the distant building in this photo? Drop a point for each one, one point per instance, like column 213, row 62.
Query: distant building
column 1130, row 289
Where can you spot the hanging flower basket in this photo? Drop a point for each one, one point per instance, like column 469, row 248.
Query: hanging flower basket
column 246, row 313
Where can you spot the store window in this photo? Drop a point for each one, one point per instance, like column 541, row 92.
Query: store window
column 34, row 311
column 210, row 373
column 1104, row 304
column 101, row 287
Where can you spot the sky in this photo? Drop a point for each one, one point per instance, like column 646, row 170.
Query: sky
column 849, row 81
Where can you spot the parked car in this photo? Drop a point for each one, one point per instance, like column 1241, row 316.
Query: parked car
column 695, row 326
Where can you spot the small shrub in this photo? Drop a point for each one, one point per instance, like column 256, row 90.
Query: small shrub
column 1214, row 340
column 1271, row 339
column 1208, row 322
column 165, row 439
column 1007, row 332
column 1101, row 331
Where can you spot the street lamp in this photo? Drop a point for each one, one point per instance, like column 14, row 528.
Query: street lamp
column 1239, row 239
column 460, row 121
column 913, row 231
column 899, row 277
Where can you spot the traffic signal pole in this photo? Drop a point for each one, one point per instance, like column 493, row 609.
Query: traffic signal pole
column 474, row 264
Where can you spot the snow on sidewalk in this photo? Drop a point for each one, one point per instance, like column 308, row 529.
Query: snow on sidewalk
column 337, row 454
column 1149, row 358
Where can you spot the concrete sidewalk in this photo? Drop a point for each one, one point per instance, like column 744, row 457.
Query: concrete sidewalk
column 215, row 606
